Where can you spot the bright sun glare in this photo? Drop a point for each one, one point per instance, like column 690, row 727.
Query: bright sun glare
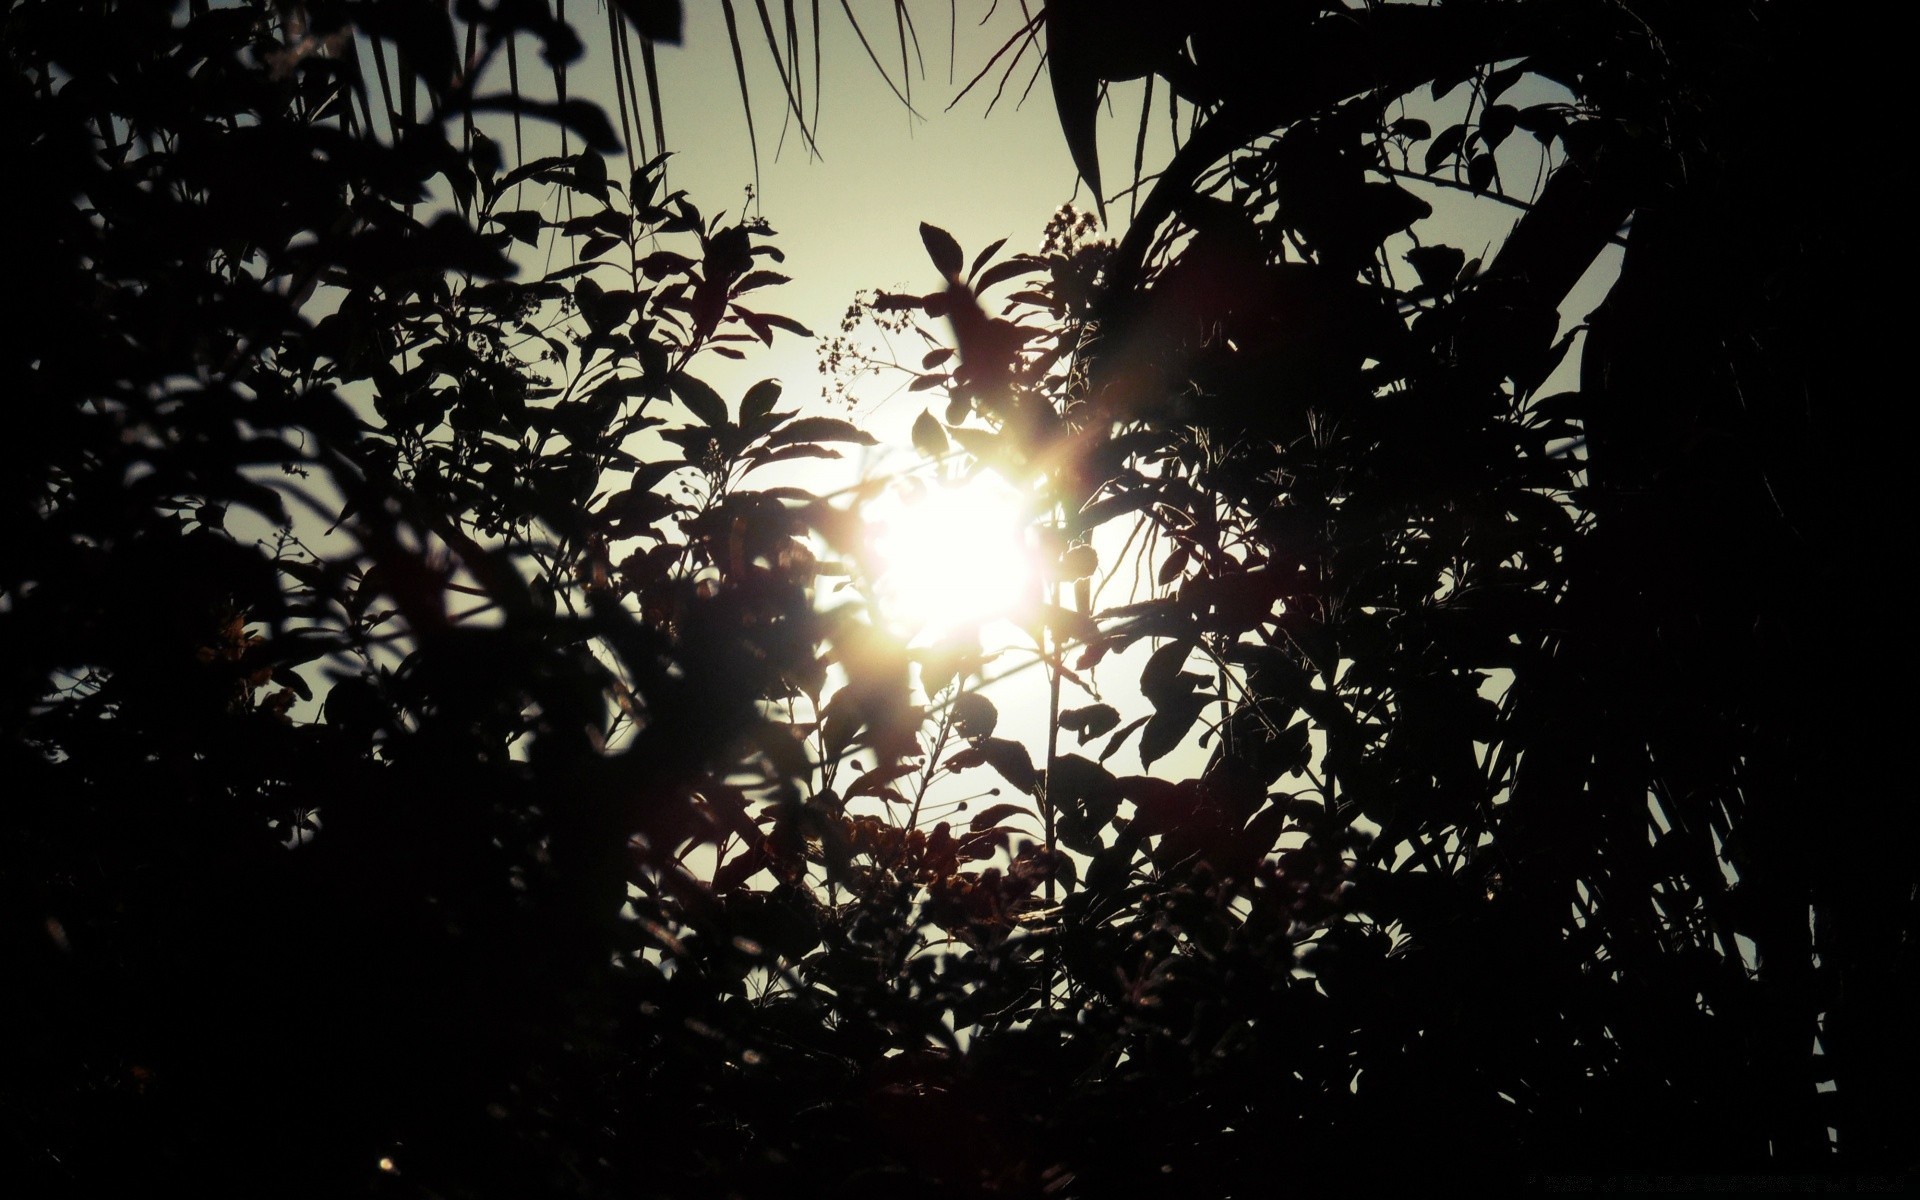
column 952, row 555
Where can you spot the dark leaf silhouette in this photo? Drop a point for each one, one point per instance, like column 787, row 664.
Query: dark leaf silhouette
column 656, row 20
column 701, row 400
column 1091, row 721
column 974, row 715
column 945, row 252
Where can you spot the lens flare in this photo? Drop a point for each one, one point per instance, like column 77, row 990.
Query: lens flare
column 952, row 556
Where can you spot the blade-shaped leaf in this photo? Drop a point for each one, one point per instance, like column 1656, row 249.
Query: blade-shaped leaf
column 657, row 20
column 945, row 252
column 819, row 429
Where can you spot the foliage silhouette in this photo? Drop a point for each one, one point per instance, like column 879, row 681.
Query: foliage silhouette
column 602, row 868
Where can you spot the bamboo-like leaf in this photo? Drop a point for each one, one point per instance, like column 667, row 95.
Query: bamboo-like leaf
column 657, row 20
column 786, row 79
column 653, row 96
column 620, row 94
column 818, row 85
column 623, row 52
column 386, row 88
column 868, row 47
column 1140, row 150
column 1022, row 38
column 560, row 88
column 513, row 89
column 903, row 25
column 746, row 101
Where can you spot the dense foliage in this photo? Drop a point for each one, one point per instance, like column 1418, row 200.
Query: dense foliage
column 436, row 767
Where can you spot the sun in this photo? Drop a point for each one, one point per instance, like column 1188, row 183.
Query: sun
column 952, row 556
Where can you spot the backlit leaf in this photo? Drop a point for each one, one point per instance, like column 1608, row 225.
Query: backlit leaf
column 701, row 400
column 943, row 250
column 928, row 437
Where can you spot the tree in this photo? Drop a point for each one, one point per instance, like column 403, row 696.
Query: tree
column 603, row 869
column 1383, row 518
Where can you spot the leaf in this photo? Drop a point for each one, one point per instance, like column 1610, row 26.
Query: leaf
column 974, row 715
column 655, row 20
column 1543, row 121
column 759, row 401
column 522, row 226
column 981, row 444
column 1445, row 146
column 602, row 310
column 1438, row 266
column 762, row 328
column 787, row 323
column 993, row 814
column 645, row 180
column 1176, row 563
column 776, row 454
column 662, row 263
column 290, row 679
column 1011, row 760
column 965, row 760
column 981, row 259
column 313, row 574
column 874, row 782
column 1442, row 86
column 1068, row 624
column 1091, row 721
column 1160, row 677
column 1496, row 123
column 702, row 401
column 935, row 357
column 819, row 429
column 1120, row 739
column 1106, row 508
column 1013, row 268
column 928, row 437
column 1480, row 171
column 1169, row 726
column 1499, row 81
column 944, row 251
